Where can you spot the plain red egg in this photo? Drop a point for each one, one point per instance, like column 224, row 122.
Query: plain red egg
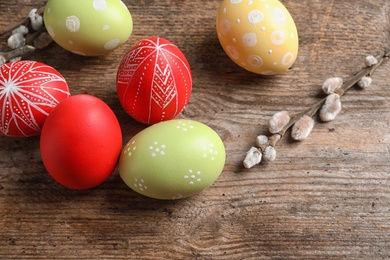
column 81, row 141
column 29, row 91
column 154, row 81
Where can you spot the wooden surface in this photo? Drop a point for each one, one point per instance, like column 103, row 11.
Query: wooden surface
column 327, row 197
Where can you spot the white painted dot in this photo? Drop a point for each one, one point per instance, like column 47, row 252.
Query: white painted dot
column 185, row 176
column 72, row 23
column 280, row 16
column 288, row 58
column 255, row 16
column 235, row 1
column 278, row 37
column 198, row 180
column 106, row 27
column 192, row 176
column 249, row 39
column 79, row 53
column 225, row 26
column 99, row 5
column 112, row 44
column 233, row 52
column 191, row 183
column 50, row 31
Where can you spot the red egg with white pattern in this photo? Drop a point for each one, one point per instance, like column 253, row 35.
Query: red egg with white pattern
column 154, row 81
column 29, row 91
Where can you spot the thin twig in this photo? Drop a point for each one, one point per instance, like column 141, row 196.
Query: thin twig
column 16, row 52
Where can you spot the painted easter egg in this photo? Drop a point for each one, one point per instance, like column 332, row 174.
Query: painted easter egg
column 154, row 81
column 29, row 91
column 81, row 141
column 172, row 159
column 259, row 36
column 88, row 27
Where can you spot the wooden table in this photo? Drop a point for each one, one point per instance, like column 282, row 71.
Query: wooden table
column 327, row 197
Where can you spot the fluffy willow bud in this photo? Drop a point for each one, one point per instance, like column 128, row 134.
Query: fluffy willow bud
column 43, row 40
column 331, row 107
column 23, row 30
column 269, row 153
column 330, row 85
column 261, row 140
column 365, row 82
column 2, row 60
column 36, row 19
column 252, row 158
column 16, row 40
column 370, row 61
column 278, row 121
column 302, row 128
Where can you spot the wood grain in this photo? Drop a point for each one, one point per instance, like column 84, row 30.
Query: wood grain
column 327, row 197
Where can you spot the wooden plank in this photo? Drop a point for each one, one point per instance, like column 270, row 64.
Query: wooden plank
column 324, row 198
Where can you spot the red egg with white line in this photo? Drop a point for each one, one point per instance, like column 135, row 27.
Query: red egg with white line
column 29, row 91
column 154, row 81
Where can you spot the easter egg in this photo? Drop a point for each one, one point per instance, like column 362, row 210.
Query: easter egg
column 259, row 36
column 88, row 27
column 81, row 141
column 154, row 81
column 29, row 91
column 172, row 159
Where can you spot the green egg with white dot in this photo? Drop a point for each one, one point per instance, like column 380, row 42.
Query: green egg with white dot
column 88, row 27
column 172, row 160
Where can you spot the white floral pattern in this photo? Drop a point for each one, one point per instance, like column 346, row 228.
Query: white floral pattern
column 27, row 92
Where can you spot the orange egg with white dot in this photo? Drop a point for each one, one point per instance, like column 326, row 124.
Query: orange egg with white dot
column 259, row 36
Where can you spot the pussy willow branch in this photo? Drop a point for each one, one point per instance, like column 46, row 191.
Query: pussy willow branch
column 366, row 71
column 25, row 22
column 32, row 40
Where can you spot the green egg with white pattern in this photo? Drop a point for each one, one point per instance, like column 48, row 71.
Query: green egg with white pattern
column 88, row 27
column 172, row 160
